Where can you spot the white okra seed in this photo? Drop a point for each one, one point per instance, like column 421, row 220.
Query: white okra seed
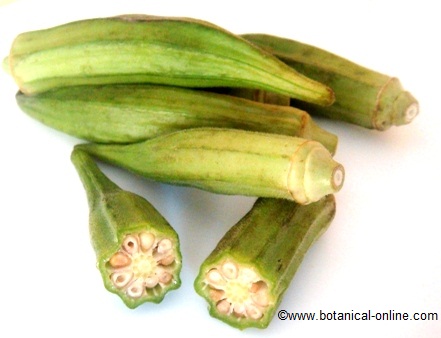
column 167, row 260
column 217, row 295
column 121, row 278
column 260, row 298
column 230, row 270
column 164, row 246
column 165, row 277
column 215, row 277
column 151, row 281
column 130, row 244
column 253, row 311
column 223, row 307
column 136, row 289
column 147, row 239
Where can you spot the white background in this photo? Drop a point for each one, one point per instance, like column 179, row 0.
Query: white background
column 382, row 251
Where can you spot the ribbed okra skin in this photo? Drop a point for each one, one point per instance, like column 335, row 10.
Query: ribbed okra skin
column 231, row 161
column 362, row 96
column 246, row 275
column 132, row 113
column 149, row 49
column 137, row 250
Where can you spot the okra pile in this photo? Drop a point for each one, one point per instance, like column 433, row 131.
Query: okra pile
column 182, row 101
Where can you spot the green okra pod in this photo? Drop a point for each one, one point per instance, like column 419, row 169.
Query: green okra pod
column 151, row 49
column 231, row 161
column 132, row 113
column 137, row 250
column 362, row 96
column 246, row 275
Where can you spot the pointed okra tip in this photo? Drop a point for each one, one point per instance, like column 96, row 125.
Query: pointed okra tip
column 144, row 269
column 236, row 294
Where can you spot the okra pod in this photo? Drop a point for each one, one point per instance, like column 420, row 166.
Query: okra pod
column 132, row 113
column 362, row 96
column 246, row 275
column 137, row 250
column 162, row 50
column 231, row 161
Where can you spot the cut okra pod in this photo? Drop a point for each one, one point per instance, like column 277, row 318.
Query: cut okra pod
column 362, row 96
column 231, row 161
column 137, row 250
column 133, row 113
column 246, row 275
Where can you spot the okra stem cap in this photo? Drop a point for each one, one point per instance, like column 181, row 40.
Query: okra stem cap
column 321, row 174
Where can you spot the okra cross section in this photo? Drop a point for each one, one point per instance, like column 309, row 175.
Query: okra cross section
column 246, row 275
column 144, row 265
column 137, row 250
column 232, row 162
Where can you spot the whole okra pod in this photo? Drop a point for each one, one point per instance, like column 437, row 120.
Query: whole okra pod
column 231, row 161
column 362, row 96
column 151, row 49
column 245, row 277
column 137, row 250
column 132, row 113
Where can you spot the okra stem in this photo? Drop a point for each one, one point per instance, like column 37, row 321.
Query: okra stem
column 137, row 250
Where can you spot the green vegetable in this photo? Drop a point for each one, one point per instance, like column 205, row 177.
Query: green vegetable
column 244, row 278
column 133, row 113
column 162, row 50
column 137, row 250
column 362, row 96
column 231, row 161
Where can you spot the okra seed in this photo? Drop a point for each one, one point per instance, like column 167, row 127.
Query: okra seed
column 136, row 289
column 165, row 278
column 164, row 246
column 147, row 240
column 214, row 277
column 258, row 286
column 167, row 260
column 121, row 279
column 239, row 309
column 151, row 281
column 130, row 244
column 119, row 260
column 217, row 295
column 254, row 312
column 260, row 298
column 223, row 307
column 229, row 270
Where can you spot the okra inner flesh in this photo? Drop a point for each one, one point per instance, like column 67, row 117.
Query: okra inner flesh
column 143, row 264
column 237, row 290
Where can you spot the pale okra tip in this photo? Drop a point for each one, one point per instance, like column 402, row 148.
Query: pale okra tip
column 137, row 250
